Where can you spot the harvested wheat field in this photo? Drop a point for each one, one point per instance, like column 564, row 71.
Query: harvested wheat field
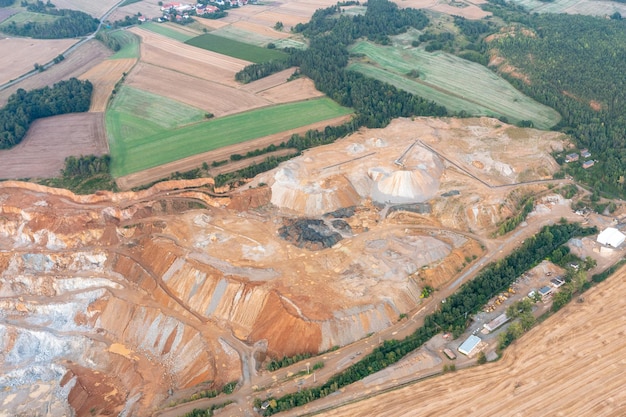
column 171, row 54
column 295, row 90
column 466, row 9
column 210, row 96
column 94, row 8
column 270, row 32
column 78, row 62
column 289, row 13
column 573, row 364
column 49, row 141
column 19, row 55
column 104, row 76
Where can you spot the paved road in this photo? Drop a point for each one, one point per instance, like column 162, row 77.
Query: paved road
column 67, row 52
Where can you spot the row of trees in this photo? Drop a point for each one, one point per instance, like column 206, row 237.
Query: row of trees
column 23, row 107
column 453, row 315
column 68, row 24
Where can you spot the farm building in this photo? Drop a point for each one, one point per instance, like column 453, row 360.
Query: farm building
column 495, row 323
column 571, row 157
column 470, row 344
column 588, row 164
column 585, row 153
column 611, row 237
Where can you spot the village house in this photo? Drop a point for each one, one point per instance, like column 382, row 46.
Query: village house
column 588, row 164
column 571, row 157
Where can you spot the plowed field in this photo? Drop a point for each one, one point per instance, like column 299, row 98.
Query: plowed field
column 171, row 54
column 19, row 55
column 570, row 365
column 49, row 141
column 94, row 8
column 211, row 96
column 78, row 62
column 104, row 76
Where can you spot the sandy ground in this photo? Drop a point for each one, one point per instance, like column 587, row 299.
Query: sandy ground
column 49, row 141
column 572, row 364
column 19, row 55
column 78, row 62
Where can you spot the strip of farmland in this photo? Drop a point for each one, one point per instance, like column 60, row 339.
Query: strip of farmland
column 133, row 151
column 458, row 84
column 235, row 48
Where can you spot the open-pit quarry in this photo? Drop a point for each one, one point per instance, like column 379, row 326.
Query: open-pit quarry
column 111, row 304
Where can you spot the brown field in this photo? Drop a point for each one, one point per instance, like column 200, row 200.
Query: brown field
column 570, row 365
column 269, row 81
column 469, row 11
column 186, row 164
column 19, row 55
column 94, row 8
column 49, row 141
column 78, row 62
column 171, row 54
column 148, row 8
column 104, row 76
column 211, row 96
column 290, row 13
column 292, row 91
column 6, row 13
column 260, row 29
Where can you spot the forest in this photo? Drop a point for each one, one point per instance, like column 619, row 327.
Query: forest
column 24, row 107
column 68, row 24
column 330, row 33
column 453, row 316
column 575, row 65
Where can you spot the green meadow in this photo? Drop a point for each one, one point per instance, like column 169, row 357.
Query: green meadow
column 453, row 82
column 141, row 134
column 236, row 49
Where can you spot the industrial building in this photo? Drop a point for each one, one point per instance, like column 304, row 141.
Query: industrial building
column 470, row 344
column 611, row 237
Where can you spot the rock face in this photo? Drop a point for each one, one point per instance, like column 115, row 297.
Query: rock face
column 110, row 303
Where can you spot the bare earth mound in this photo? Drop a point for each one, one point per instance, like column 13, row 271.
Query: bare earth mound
column 49, row 141
column 570, row 365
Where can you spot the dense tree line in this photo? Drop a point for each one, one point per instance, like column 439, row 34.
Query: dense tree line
column 253, row 170
column 68, row 24
column 452, row 316
column 23, row 107
column 6, row 3
column 275, row 364
column 84, row 166
column 575, row 65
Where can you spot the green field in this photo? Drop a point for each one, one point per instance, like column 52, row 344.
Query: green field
column 140, row 136
column 129, row 42
column 453, row 82
column 25, row 17
column 235, row 48
column 165, row 30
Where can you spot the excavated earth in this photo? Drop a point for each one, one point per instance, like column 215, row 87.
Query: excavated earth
column 110, row 303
